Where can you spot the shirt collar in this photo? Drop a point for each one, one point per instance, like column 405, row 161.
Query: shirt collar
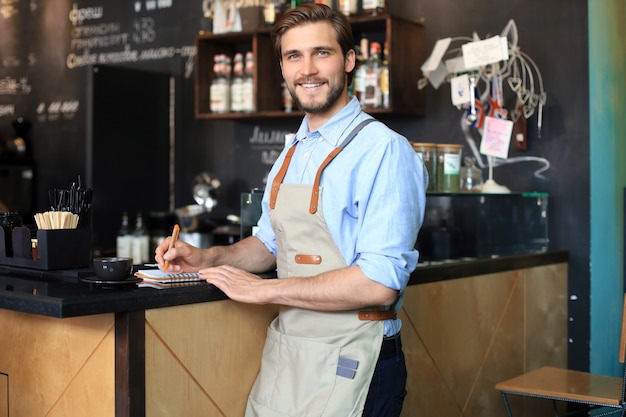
column 334, row 129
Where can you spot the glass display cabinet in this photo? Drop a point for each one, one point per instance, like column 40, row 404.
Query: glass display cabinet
column 474, row 225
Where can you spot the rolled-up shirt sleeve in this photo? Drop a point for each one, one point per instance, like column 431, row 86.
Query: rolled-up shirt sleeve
column 391, row 214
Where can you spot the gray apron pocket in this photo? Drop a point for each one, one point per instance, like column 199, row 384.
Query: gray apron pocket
column 297, row 377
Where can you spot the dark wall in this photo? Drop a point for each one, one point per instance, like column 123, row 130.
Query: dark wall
column 46, row 49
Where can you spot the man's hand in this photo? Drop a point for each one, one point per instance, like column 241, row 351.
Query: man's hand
column 236, row 283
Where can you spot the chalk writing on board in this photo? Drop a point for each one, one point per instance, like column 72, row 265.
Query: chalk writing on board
column 57, row 110
column 153, row 5
column 93, row 40
column 272, row 137
column 11, row 86
column 268, row 144
column 78, row 16
column 7, row 110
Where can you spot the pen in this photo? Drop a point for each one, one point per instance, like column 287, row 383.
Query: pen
column 172, row 241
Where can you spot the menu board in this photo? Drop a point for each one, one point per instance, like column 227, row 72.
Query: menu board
column 46, row 46
column 49, row 48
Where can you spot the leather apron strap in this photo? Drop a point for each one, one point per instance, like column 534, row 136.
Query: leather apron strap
column 316, row 185
column 280, row 176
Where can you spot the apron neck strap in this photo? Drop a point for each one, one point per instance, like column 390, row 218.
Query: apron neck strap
column 280, row 176
column 316, row 185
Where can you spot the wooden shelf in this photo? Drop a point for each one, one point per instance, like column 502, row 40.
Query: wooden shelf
column 406, row 52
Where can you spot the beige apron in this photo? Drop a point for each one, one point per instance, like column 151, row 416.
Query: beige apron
column 314, row 363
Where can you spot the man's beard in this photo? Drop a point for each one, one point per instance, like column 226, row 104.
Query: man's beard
column 320, row 107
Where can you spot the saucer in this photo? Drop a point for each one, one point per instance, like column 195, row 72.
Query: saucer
column 96, row 280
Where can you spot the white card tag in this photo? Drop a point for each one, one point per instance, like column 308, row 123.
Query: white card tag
column 487, row 51
column 460, row 90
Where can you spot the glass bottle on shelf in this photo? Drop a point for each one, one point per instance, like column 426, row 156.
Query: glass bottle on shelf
column 219, row 90
column 384, row 79
column 287, row 99
column 328, row 3
column 227, row 69
column 374, row 7
column 348, row 7
column 471, row 175
column 124, row 238
column 373, row 94
column 236, row 85
column 359, row 72
column 248, row 84
column 269, row 14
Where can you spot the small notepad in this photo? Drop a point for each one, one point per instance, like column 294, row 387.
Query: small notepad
column 169, row 284
column 157, row 275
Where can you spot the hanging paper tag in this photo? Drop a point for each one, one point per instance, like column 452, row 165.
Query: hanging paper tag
column 488, row 51
column 433, row 61
column 434, row 69
column 496, row 137
column 460, row 90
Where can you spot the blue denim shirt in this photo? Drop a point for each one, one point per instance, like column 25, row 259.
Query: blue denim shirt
column 373, row 199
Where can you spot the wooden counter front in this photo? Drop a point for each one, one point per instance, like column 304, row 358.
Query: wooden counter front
column 57, row 367
column 460, row 335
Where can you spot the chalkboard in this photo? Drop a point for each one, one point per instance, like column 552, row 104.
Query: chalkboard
column 47, row 51
column 83, row 119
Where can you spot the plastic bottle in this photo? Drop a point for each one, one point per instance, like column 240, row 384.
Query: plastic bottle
column 124, row 238
column 140, row 242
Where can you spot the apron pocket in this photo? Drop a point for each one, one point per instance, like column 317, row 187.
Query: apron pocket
column 297, row 377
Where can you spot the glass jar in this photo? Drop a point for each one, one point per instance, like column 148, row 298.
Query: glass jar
column 471, row 176
column 448, row 168
column 428, row 153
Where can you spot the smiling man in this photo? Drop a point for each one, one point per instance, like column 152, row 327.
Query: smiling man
column 314, row 68
column 341, row 214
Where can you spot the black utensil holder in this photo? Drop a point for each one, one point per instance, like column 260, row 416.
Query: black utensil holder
column 56, row 249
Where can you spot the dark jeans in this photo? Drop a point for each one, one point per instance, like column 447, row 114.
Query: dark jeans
column 388, row 388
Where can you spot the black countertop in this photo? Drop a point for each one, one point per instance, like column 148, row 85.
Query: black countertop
column 67, row 295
